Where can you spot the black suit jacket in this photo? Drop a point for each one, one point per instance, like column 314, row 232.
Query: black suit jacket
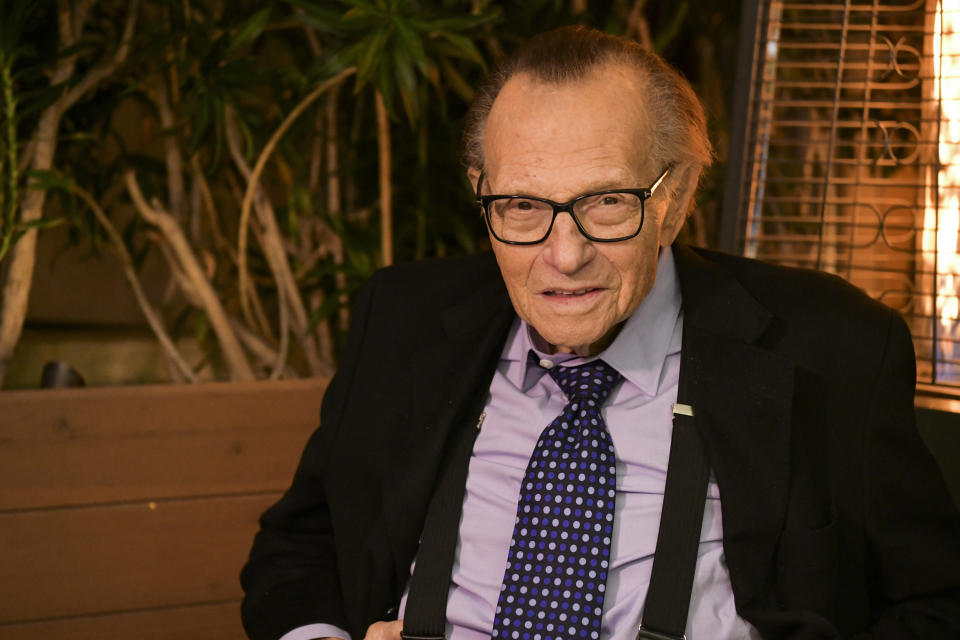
column 836, row 520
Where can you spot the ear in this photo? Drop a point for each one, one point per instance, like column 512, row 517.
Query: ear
column 680, row 204
column 473, row 175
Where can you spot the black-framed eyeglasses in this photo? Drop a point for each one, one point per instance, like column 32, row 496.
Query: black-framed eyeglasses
column 611, row 215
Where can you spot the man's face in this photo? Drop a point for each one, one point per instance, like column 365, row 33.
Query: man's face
column 559, row 141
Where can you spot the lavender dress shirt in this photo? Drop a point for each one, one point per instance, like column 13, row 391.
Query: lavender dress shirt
column 639, row 417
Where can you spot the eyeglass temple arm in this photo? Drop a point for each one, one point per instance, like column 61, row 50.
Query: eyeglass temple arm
column 660, row 179
column 479, row 182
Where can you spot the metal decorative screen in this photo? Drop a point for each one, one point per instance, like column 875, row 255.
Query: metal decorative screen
column 851, row 156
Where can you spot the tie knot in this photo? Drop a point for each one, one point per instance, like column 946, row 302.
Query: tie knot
column 592, row 381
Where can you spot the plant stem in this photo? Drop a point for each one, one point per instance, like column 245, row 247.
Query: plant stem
column 334, row 206
column 268, row 234
column 386, row 190
column 8, row 201
column 19, row 275
column 154, row 319
column 254, row 179
column 166, row 224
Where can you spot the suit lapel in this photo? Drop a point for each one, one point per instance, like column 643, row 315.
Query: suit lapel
column 742, row 398
column 452, row 376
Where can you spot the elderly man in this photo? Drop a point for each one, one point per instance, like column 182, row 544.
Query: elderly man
column 599, row 429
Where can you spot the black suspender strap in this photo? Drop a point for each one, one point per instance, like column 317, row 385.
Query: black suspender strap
column 681, row 518
column 425, row 617
column 675, row 559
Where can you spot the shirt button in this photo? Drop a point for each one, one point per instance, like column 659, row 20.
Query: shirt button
column 546, row 364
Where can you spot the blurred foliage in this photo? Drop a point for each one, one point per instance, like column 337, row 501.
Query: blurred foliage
column 166, row 114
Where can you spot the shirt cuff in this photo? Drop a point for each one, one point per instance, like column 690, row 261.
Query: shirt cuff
column 311, row 631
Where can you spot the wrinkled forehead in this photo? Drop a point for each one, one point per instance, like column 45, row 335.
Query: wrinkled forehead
column 600, row 119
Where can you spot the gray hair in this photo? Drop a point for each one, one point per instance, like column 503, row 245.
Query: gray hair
column 679, row 135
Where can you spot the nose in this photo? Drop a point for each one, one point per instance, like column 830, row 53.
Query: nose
column 566, row 249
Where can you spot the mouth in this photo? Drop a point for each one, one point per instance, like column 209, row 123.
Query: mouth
column 571, row 293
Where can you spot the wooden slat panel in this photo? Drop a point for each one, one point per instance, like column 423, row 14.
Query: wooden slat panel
column 76, row 561
column 203, row 622
column 82, row 446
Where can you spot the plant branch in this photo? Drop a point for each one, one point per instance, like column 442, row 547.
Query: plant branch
column 179, row 279
column 80, row 11
column 171, row 155
column 386, row 197
column 323, row 331
column 262, row 351
column 27, row 156
column 316, row 155
column 272, row 243
column 253, row 180
column 19, row 278
column 9, row 193
column 99, row 72
column 312, row 40
column 637, row 25
column 153, row 317
column 167, row 225
column 220, row 241
column 334, row 206
column 281, row 360
column 258, row 312
column 211, row 208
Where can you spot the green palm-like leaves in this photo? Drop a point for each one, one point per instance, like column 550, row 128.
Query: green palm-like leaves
column 396, row 45
column 15, row 103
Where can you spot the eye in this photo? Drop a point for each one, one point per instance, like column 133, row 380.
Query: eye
column 523, row 205
column 611, row 199
column 518, row 207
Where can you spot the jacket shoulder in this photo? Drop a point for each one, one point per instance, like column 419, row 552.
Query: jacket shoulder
column 818, row 319
column 805, row 294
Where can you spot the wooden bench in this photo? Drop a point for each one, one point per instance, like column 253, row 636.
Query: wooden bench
column 128, row 512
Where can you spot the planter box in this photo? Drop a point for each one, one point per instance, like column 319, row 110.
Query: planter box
column 127, row 512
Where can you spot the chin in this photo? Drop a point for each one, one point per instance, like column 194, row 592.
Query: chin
column 583, row 336
column 577, row 342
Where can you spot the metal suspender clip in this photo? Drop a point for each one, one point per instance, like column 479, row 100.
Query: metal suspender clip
column 682, row 410
column 647, row 634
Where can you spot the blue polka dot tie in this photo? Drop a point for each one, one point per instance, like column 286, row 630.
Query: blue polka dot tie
column 556, row 571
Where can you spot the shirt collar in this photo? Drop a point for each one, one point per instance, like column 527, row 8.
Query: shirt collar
column 638, row 352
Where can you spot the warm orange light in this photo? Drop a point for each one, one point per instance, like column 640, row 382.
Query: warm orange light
column 941, row 235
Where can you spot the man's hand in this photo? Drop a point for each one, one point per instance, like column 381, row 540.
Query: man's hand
column 384, row 630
